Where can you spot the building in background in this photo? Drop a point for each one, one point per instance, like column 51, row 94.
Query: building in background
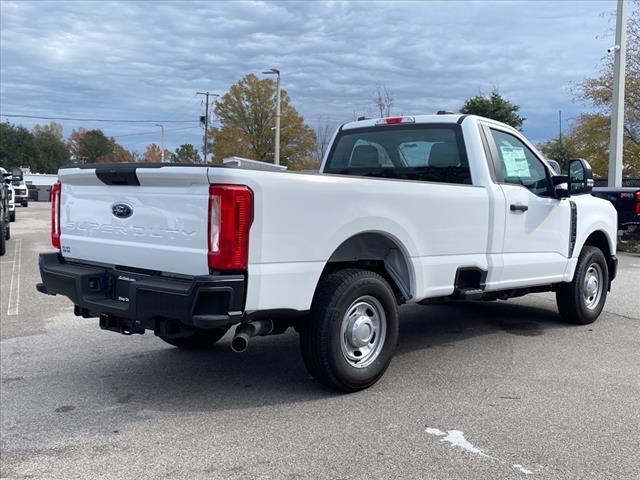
column 42, row 182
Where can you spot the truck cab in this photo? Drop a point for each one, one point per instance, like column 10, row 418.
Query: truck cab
column 405, row 209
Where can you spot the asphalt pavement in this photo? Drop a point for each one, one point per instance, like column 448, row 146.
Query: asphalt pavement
column 482, row 390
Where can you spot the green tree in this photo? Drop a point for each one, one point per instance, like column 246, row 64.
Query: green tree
column 494, row 106
column 186, row 153
column 121, row 154
column 93, row 146
column 17, row 146
column 247, row 120
column 560, row 151
column 51, row 150
column 53, row 128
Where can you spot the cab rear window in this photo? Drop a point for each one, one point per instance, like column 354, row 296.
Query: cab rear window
column 430, row 153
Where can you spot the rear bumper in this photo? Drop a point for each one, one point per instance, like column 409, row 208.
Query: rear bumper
column 144, row 300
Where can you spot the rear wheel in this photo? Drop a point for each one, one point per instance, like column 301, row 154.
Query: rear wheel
column 7, row 232
column 25, row 204
column 350, row 336
column 201, row 338
column 12, row 216
column 582, row 300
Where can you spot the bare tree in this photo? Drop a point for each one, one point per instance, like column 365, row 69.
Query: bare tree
column 324, row 131
column 383, row 100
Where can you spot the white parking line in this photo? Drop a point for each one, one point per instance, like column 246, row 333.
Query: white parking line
column 6, row 261
column 14, row 289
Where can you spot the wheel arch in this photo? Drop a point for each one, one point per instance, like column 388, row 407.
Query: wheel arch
column 600, row 239
column 380, row 252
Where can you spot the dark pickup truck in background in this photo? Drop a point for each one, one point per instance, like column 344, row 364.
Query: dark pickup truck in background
column 626, row 201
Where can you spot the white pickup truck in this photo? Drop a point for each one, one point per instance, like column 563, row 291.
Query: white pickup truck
column 404, row 210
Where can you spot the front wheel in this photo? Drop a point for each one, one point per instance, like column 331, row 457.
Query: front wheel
column 201, row 338
column 582, row 300
column 349, row 338
column 7, row 232
column 12, row 216
column 25, row 204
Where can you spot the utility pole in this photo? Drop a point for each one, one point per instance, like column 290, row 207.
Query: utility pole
column 206, row 119
column 617, row 110
column 276, row 156
column 560, row 126
column 161, row 141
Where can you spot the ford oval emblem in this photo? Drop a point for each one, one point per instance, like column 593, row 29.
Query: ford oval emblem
column 121, row 210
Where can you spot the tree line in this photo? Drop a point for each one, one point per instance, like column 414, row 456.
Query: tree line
column 245, row 120
column 45, row 149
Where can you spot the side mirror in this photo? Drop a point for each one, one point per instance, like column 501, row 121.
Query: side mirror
column 561, row 185
column 580, row 177
column 555, row 166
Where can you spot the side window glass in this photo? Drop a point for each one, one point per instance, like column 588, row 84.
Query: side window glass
column 519, row 165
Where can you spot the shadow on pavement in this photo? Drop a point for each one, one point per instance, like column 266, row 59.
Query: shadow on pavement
column 272, row 371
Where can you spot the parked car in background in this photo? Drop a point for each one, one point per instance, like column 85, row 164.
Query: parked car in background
column 33, row 192
column 21, row 195
column 5, row 227
column 12, row 203
column 404, row 210
column 626, row 201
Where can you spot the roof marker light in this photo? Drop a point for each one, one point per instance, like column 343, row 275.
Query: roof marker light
column 395, row 120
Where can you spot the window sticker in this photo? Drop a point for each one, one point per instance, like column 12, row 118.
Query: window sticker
column 515, row 162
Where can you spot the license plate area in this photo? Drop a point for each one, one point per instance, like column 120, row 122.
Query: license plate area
column 122, row 284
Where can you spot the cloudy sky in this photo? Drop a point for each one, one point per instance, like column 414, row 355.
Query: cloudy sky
column 145, row 60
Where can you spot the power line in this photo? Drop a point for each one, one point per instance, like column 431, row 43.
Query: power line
column 155, row 131
column 95, row 119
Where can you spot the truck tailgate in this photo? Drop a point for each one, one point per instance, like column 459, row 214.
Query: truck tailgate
column 136, row 216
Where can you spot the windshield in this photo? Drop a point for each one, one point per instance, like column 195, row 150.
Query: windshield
column 432, row 153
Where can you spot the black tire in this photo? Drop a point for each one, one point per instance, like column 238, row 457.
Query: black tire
column 572, row 298
column 3, row 240
column 322, row 342
column 25, row 204
column 201, row 338
column 12, row 216
column 7, row 232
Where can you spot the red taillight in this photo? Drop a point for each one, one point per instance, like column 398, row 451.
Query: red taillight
column 230, row 217
column 638, row 203
column 56, row 192
column 393, row 120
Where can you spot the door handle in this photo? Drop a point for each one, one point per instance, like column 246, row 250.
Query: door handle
column 518, row 207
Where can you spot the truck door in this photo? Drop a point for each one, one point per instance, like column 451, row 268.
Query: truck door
column 536, row 224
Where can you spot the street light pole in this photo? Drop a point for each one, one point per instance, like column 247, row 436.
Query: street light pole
column 617, row 110
column 161, row 141
column 276, row 156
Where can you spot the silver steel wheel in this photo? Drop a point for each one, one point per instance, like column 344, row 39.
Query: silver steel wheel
column 363, row 331
column 593, row 285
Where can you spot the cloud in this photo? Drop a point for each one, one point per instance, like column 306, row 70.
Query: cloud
column 147, row 59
